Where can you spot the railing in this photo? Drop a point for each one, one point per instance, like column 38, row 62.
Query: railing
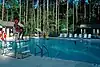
column 15, row 48
column 41, row 50
column 7, row 47
column 46, row 50
column 23, row 46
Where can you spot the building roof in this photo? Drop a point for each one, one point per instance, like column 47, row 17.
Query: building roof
column 90, row 26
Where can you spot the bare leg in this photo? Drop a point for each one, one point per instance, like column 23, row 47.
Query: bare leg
column 21, row 34
column 18, row 35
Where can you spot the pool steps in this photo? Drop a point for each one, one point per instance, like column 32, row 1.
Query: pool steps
column 27, row 51
column 85, row 36
column 24, row 46
column 8, row 49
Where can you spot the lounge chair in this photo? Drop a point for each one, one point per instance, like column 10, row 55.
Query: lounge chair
column 61, row 35
column 75, row 36
column 85, row 36
column 65, row 35
column 70, row 35
column 80, row 35
column 89, row 36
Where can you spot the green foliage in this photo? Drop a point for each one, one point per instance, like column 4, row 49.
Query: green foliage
column 62, row 22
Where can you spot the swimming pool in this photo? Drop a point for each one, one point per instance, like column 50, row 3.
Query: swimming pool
column 87, row 50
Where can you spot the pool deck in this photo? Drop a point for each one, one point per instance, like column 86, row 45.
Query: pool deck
column 36, row 61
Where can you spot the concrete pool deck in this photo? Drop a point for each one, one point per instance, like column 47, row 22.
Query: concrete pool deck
column 36, row 61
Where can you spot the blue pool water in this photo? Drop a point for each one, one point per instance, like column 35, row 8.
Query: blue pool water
column 85, row 50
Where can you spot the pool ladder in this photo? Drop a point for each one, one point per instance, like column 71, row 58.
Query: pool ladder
column 7, row 47
column 26, row 48
column 19, row 51
column 41, row 50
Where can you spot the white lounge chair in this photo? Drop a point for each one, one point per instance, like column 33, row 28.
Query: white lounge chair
column 65, row 35
column 75, row 36
column 70, row 35
column 85, row 36
column 89, row 36
column 61, row 35
column 80, row 35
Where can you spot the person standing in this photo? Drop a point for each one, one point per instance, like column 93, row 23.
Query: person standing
column 22, row 31
column 18, row 28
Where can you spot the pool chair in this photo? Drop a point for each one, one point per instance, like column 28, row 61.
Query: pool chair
column 70, row 35
column 65, row 35
column 89, row 36
column 61, row 35
column 75, row 36
column 85, row 36
column 80, row 35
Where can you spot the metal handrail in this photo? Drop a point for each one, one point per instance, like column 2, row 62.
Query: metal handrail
column 46, row 49
column 40, row 50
